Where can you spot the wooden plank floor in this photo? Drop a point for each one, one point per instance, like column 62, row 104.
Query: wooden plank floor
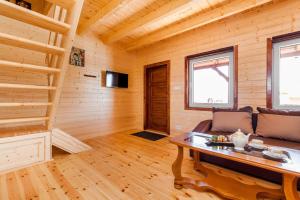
column 120, row 166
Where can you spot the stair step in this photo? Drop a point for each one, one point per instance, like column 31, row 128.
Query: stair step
column 25, row 104
column 4, row 63
column 21, row 120
column 29, row 44
column 21, row 130
column 31, row 17
column 23, row 86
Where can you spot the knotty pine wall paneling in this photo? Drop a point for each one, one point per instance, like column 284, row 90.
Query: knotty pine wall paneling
column 87, row 108
column 249, row 30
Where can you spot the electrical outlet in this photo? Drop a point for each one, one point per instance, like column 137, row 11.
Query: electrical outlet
column 176, row 88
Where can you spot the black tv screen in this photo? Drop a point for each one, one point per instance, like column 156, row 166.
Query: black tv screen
column 116, row 80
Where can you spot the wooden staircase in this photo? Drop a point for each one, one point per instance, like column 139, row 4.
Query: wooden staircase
column 22, row 142
column 65, row 27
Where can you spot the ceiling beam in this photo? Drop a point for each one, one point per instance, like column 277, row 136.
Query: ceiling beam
column 196, row 21
column 108, row 8
column 155, row 15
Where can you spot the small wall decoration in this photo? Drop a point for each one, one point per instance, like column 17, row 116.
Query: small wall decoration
column 24, row 4
column 77, row 57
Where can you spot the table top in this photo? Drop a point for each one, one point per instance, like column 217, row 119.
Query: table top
column 292, row 167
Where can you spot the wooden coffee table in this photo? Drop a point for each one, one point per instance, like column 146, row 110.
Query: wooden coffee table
column 230, row 184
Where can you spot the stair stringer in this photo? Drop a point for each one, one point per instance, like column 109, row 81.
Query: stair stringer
column 68, row 143
column 72, row 19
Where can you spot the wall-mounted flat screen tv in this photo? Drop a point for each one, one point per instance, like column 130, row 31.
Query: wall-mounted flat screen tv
column 116, row 80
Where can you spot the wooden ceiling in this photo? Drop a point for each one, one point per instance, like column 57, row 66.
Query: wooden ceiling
column 137, row 23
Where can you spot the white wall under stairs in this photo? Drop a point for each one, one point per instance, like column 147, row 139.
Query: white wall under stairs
column 24, row 150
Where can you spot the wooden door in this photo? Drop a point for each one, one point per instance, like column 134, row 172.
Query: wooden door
column 157, row 97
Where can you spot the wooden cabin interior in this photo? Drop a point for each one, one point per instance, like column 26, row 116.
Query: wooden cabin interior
column 149, row 99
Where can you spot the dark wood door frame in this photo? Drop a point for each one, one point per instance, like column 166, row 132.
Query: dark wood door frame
column 163, row 63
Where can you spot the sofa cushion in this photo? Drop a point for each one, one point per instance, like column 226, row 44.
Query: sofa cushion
column 230, row 120
column 278, row 124
column 278, row 112
column 248, row 109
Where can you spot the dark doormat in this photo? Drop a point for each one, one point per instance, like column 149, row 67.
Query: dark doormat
column 149, row 136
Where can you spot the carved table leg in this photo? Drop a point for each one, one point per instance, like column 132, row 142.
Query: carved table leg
column 196, row 158
column 197, row 164
column 176, row 168
column 290, row 187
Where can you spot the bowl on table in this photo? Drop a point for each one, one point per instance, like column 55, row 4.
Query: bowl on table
column 257, row 145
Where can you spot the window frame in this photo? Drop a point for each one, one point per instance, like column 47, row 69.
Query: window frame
column 272, row 100
column 233, row 73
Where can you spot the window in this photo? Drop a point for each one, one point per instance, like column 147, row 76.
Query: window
column 285, row 70
column 211, row 79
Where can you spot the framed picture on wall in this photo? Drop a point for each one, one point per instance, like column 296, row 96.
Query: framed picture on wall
column 77, row 57
column 24, row 4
